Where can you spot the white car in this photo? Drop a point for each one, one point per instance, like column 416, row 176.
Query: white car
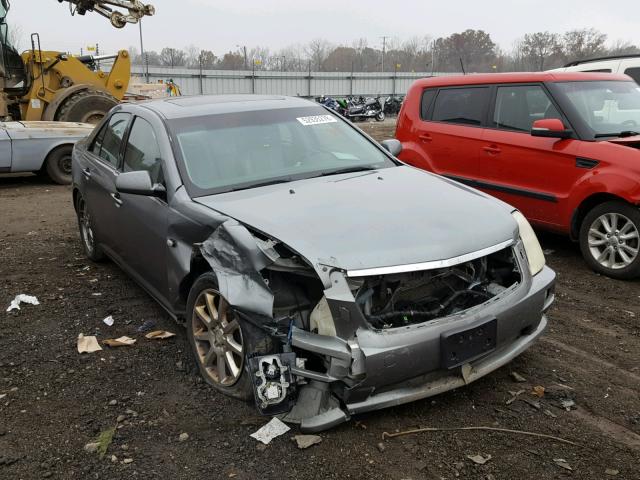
column 40, row 147
column 626, row 64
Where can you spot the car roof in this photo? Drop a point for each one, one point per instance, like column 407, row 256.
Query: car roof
column 601, row 59
column 519, row 77
column 194, row 106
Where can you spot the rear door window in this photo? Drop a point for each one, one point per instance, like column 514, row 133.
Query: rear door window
column 427, row 99
column 517, row 107
column 143, row 152
column 633, row 72
column 112, row 140
column 465, row 106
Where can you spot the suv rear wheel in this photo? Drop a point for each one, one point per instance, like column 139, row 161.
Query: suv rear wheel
column 610, row 240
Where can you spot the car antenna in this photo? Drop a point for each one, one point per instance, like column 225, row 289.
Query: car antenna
column 462, row 66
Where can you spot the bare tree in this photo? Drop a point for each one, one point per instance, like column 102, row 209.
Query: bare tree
column 172, row 57
column 539, row 47
column 317, row 51
column 622, row 47
column 583, row 43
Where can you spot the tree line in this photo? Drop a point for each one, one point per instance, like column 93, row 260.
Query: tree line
column 471, row 50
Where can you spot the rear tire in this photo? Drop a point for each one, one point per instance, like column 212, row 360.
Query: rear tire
column 221, row 341
column 91, row 248
column 610, row 240
column 58, row 165
column 86, row 106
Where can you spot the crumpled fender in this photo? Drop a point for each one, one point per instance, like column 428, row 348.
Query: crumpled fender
column 237, row 260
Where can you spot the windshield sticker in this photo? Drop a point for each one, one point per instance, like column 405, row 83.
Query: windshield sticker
column 316, row 120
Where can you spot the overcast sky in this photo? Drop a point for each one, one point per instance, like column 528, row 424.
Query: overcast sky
column 221, row 25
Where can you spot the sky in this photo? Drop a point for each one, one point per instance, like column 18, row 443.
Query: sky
column 223, row 25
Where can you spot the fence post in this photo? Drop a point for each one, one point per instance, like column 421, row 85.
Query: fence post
column 309, row 81
column 201, row 81
column 351, row 81
column 253, row 78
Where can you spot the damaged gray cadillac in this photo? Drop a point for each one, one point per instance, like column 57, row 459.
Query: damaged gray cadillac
column 315, row 273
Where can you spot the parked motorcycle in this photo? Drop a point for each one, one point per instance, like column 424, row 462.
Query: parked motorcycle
column 392, row 105
column 369, row 108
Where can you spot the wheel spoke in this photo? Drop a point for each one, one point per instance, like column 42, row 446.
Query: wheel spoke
column 612, row 257
column 211, row 307
column 231, row 362
column 627, row 226
column 202, row 335
column 208, row 358
column 201, row 311
column 625, row 258
column 629, row 236
column 614, row 221
column 233, row 345
column 603, row 255
column 222, row 371
column 629, row 249
column 605, row 223
column 596, row 243
column 231, row 327
column 597, row 233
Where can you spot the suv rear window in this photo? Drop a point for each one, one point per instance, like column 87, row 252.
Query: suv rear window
column 461, row 105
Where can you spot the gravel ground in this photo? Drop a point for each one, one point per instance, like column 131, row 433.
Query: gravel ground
column 54, row 401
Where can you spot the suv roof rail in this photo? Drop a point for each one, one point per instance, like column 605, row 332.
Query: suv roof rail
column 610, row 57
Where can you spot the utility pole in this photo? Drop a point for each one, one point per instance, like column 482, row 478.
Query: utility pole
column 146, row 71
column 384, row 50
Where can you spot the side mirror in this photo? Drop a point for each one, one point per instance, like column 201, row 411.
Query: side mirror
column 393, row 146
column 550, row 128
column 138, row 183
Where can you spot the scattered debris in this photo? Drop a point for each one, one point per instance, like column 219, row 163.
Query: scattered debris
column 114, row 459
column 271, row 430
column 22, row 298
column 2, row 395
column 91, row 447
column 88, row 344
column 146, row 326
column 538, row 391
column 183, row 437
column 611, row 471
column 567, row 404
column 517, row 377
column 532, row 403
column 160, row 334
column 108, row 321
column 306, row 441
column 479, row 459
column 561, row 462
column 381, row 446
column 466, row 371
column 119, row 342
column 514, row 396
column 490, row 429
column 548, row 251
column 549, row 413
column 104, row 440
column 127, row 460
column 113, row 403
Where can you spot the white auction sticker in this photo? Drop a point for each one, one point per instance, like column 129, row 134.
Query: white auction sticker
column 316, row 120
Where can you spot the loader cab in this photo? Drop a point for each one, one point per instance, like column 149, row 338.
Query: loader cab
column 12, row 68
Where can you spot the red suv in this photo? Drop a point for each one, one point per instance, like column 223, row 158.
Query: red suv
column 564, row 148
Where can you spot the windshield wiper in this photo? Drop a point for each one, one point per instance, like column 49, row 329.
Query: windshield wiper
column 348, row 170
column 624, row 133
column 263, row 184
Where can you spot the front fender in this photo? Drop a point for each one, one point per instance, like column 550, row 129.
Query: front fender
column 413, row 155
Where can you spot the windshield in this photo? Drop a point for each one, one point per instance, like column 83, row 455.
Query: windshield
column 236, row 151
column 610, row 108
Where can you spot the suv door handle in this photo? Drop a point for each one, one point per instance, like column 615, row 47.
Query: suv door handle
column 117, row 199
column 87, row 173
column 492, row 149
column 425, row 137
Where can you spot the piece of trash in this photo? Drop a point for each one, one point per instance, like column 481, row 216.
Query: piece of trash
column 549, row 413
column 611, row 471
column 127, row 460
column 183, row 437
column 548, row 251
column 104, row 440
column 88, row 344
column 91, row 447
column 306, row 441
column 160, row 335
column 2, row 395
column 466, row 372
column 517, row 377
column 96, row 294
column 479, row 459
column 22, row 298
column 538, row 391
column 561, row 462
column 146, row 326
column 567, row 404
column 532, row 403
column 119, row 342
column 271, row 430
column 514, row 396
column 108, row 321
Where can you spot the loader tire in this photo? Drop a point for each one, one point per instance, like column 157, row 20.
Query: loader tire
column 87, row 106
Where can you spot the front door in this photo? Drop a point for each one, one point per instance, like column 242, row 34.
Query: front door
column 533, row 174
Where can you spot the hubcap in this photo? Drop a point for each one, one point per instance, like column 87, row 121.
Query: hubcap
column 218, row 338
column 65, row 164
column 613, row 241
column 85, row 226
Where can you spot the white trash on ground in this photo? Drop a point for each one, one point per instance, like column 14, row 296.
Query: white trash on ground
column 88, row 344
column 108, row 321
column 271, row 430
column 22, row 298
column 119, row 342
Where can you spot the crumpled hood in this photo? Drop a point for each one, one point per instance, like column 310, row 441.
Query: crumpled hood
column 393, row 216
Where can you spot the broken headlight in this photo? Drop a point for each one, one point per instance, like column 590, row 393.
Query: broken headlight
column 535, row 256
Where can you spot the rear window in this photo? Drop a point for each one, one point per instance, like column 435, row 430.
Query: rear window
column 464, row 106
column 634, row 73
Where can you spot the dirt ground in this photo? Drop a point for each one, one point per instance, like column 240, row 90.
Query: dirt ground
column 53, row 401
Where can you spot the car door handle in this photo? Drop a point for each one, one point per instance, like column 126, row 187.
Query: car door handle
column 117, row 199
column 492, row 149
column 425, row 137
column 87, row 173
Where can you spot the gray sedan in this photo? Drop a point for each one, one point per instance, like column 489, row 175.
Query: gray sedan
column 314, row 272
column 40, row 147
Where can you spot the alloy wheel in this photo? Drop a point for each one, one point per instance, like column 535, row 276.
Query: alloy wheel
column 218, row 338
column 64, row 163
column 85, row 226
column 613, row 241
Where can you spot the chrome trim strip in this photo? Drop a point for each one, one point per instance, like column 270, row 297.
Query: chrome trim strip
column 414, row 267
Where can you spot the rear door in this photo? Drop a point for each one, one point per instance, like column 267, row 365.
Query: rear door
column 533, row 174
column 99, row 176
column 5, row 150
column 450, row 132
column 142, row 220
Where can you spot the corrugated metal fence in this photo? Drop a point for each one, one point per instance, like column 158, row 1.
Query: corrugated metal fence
column 304, row 84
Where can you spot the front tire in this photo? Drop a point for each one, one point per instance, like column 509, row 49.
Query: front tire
column 610, row 240
column 86, row 106
column 380, row 117
column 58, row 165
column 221, row 341
column 91, row 248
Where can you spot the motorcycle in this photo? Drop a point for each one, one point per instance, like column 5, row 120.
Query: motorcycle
column 392, row 105
column 364, row 108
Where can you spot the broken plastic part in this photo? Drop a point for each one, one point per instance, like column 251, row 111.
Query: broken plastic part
column 273, row 385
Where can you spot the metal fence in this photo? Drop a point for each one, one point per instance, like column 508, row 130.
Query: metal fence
column 303, row 84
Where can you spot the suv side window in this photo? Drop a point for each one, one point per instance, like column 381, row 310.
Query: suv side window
column 112, row 138
column 427, row 99
column 517, row 107
column 97, row 142
column 633, row 72
column 465, row 106
column 143, row 152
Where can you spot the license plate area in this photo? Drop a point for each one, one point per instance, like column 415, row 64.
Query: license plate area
column 457, row 348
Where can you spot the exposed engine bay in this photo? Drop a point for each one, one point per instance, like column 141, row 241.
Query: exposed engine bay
column 397, row 300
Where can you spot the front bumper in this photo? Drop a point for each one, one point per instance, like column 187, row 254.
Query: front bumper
column 398, row 366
